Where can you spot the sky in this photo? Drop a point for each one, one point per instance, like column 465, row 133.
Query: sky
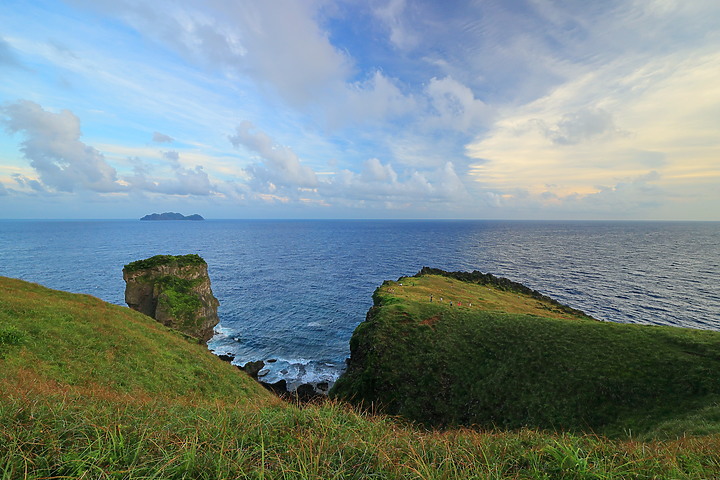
column 485, row 109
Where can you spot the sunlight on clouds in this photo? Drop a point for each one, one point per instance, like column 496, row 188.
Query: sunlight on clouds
column 603, row 129
column 534, row 109
column 218, row 165
column 270, row 198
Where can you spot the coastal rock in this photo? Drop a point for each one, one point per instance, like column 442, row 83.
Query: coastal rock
column 175, row 291
column 306, row 392
column 254, row 368
column 226, row 357
column 279, row 387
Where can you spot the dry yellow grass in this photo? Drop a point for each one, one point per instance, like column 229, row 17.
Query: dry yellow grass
column 465, row 295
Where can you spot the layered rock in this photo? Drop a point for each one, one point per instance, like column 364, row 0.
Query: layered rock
column 175, row 291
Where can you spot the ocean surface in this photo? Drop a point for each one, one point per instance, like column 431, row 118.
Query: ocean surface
column 293, row 291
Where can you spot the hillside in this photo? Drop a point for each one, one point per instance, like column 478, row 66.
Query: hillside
column 78, row 343
column 92, row 390
column 490, row 352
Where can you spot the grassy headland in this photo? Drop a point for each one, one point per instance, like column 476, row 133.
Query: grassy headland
column 92, row 390
column 485, row 351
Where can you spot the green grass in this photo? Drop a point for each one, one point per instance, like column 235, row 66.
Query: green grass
column 171, row 260
column 179, row 300
column 90, row 390
column 79, row 341
column 65, row 436
column 499, row 357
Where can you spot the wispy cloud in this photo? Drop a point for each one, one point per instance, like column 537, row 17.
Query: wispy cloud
column 551, row 150
column 473, row 109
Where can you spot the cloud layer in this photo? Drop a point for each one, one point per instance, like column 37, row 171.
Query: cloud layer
column 382, row 108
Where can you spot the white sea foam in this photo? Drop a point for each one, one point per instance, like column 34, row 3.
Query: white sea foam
column 300, row 371
column 224, row 331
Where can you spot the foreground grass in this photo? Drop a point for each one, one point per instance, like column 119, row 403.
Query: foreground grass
column 491, row 354
column 94, row 391
column 65, row 436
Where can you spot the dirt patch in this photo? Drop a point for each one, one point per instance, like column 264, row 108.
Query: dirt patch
column 431, row 321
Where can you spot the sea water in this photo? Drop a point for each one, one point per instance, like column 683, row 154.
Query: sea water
column 292, row 292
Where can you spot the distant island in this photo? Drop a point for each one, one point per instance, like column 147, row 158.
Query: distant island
column 171, row 216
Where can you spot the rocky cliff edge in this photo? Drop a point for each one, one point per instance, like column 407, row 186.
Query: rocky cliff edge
column 175, row 291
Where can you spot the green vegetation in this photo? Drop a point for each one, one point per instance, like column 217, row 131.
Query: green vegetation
column 57, row 338
column 92, row 390
column 169, row 260
column 177, row 298
column 493, row 356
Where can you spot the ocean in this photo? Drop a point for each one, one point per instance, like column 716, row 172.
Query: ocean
column 292, row 292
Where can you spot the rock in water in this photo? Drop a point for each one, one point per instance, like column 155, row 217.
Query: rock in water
column 175, row 291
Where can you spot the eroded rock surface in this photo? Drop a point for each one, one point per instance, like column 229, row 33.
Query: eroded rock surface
column 175, row 291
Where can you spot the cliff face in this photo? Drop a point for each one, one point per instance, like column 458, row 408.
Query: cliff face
column 175, row 291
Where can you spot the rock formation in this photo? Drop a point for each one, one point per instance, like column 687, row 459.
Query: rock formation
column 175, row 291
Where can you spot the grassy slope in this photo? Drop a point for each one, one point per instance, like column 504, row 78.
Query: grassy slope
column 512, row 360
column 91, row 390
column 81, row 343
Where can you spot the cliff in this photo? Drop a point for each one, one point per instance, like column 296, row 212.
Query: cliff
column 455, row 348
column 175, row 291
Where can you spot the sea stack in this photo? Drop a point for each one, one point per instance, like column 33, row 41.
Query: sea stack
column 175, row 291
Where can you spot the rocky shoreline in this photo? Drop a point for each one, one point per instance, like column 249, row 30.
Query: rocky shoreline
column 258, row 369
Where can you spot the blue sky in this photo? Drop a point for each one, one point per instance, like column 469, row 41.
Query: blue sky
column 346, row 109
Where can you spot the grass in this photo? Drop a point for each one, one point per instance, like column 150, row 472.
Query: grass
column 170, row 260
column 492, row 356
column 80, row 342
column 95, row 391
column 56, row 436
column 178, row 299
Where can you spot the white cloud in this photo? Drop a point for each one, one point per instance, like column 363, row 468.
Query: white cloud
column 181, row 181
column 66, row 164
column 455, row 106
column 52, row 144
column 375, row 171
column 277, row 43
column 394, row 16
column 580, row 126
column 279, row 165
column 568, row 146
column 162, row 138
column 378, row 99
column 26, row 183
column 173, row 156
column 379, row 183
column 560, row 105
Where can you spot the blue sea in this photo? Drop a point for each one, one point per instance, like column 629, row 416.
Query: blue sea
column 292, row 292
